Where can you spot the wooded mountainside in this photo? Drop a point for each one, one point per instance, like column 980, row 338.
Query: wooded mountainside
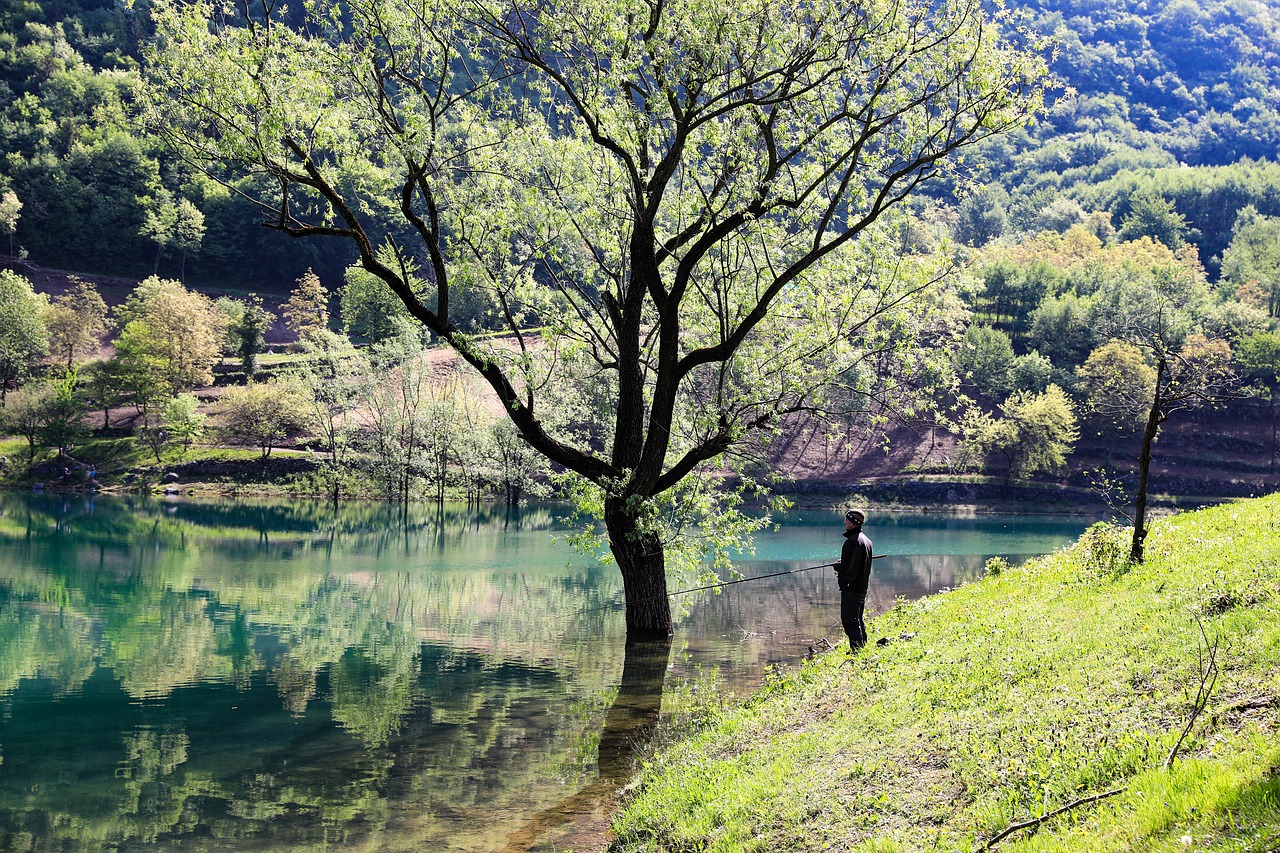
column 1174, row 96
column 1129, row 241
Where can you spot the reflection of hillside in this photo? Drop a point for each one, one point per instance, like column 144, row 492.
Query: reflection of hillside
column 221, row 762
column 173, row 599
column 262, row 525
column 157, row 635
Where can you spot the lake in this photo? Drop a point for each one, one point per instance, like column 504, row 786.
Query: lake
column 243, row 675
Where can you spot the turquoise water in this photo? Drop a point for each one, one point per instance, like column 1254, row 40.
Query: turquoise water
column 287, row 676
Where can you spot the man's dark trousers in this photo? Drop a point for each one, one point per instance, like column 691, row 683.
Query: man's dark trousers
column 851, row 607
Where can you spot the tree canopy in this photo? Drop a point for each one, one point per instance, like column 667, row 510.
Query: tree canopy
column 673, row 205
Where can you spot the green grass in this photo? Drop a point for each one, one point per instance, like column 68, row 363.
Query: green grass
column 1004, row 700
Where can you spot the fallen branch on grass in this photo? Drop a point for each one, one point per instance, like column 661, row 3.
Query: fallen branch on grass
column 1036, row 821
column 1208, row 667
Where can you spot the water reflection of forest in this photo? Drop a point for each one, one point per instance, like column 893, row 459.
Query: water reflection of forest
column 179, row 671
column 290, row 675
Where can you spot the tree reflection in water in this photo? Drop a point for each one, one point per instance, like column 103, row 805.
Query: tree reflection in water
column 628, row 727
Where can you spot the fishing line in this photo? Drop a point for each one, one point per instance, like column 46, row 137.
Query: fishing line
column 617, row 604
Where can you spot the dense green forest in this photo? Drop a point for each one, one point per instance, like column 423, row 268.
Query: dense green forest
column 1149, row 191
column 1178, row 98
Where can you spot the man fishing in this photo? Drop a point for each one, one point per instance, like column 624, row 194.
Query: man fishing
column 853, row 572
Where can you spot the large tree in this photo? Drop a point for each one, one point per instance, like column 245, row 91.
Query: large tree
column 672, row 205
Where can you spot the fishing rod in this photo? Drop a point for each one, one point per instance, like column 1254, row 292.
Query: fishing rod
column 732, row 582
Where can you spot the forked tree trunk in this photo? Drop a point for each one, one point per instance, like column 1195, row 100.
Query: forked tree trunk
column 644, row 578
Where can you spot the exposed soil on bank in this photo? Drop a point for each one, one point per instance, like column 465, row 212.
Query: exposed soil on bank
column 1200, row 457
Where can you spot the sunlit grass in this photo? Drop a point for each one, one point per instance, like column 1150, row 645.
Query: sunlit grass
column 1004, row 700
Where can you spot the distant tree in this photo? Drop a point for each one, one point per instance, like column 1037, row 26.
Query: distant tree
column 1099, row 225
column 1033, row 433
column 984, row 358
column 150, row 427
column 1259, row 358
column 183, row 419
column 1024, row 208
column 10, row 208
column 1117, row 383
column 62, row 415
column 1152, row 215
column 519, row 469
column 1060, row 215
column 332, row 381
column 1062, row 329
column 982, row 216
column 370, row 308
column 307, row 310
column 441, row 429
column 395, row 414
column 1233, row 320
column 136, row 371
column 188, row 232
column 262, row 414
column 232, row 311
column 158, row 223
column 24, row 338
column 1254, row 257
column 1036, row 432
column 77, row 321
column 1031, row 372
column 1001, row 286
column 249, row 334
column 106, row 385
column 182, row 329
column 1015, row 286
column 23, row 415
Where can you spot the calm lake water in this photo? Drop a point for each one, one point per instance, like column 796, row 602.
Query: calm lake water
column 250, row 676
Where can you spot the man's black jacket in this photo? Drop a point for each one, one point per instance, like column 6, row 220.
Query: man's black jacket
column 854, row 569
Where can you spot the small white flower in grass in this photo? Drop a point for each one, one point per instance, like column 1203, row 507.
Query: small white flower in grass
column 1186, row 841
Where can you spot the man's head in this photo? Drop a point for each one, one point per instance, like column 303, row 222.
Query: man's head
column 853, row 519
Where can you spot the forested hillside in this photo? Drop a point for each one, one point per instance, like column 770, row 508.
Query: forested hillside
column 1177, row 97
column 97, row 193
column 1126, row 245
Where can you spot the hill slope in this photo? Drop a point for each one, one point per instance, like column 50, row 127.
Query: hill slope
column 1007, row 699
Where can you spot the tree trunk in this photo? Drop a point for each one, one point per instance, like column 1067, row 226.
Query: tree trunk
column 1154, row 419
column 1275, row 416
column 644, row 578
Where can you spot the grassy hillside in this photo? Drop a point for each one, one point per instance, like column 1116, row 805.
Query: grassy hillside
column 1007, row 699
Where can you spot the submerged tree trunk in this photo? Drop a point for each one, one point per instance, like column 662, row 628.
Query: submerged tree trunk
column 642, row 562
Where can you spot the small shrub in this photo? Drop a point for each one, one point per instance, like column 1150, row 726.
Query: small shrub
column 1104, row 551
